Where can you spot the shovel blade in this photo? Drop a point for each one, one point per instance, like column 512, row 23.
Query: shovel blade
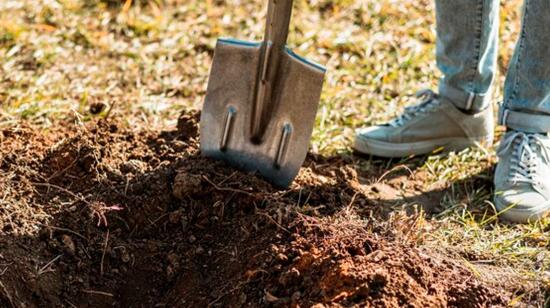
column 228, row 110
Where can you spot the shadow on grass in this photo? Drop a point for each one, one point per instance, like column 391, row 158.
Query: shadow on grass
column 384, row 186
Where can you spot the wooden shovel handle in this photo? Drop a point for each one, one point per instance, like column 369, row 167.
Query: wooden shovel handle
column 278, row 21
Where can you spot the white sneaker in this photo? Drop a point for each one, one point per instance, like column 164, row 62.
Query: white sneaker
column 522, row 177
column 421, row 129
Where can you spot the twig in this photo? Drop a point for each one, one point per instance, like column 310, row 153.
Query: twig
column 152, row 223
column 126, row 187
column 44, row 270
column 8, row 295
column 65, row 230
column 275, row 222
column 348, row 208
column 98, row 293
column 111, row 107
column 63, row 190
column 59, row 173
column 394, row 169
column 227, row 178
column 103, row 254
column 226, row 188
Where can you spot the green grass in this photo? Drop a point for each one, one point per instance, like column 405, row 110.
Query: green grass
column 150, row 59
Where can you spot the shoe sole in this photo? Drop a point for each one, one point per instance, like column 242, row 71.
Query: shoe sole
column 522, row 216
column 394, row 150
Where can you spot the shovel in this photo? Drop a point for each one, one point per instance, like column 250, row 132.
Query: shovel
column 261, row 102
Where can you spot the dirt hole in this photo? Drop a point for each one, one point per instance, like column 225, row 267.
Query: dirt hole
column 102, row 216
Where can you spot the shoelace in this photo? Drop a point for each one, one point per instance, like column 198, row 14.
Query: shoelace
column 524, row 162
column 428, row 103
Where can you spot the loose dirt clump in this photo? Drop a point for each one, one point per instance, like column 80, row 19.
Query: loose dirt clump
column 99, row 215
column 187, row 185
column 340, row 262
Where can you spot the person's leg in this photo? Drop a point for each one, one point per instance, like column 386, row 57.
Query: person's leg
column 467, row 42
column 461, row 115
column 527, row 89
column 522, row 177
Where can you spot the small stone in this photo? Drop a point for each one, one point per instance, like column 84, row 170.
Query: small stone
column 186, row 185
column 97, row 108
column 68, row 244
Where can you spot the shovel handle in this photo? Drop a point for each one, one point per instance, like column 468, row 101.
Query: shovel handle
column 278, row 21
column 279, row 14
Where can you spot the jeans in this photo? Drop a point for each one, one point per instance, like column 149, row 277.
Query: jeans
column 467, row 44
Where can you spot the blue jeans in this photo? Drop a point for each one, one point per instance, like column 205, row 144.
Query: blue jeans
column 467, row 43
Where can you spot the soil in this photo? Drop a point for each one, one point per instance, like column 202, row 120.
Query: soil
column 97, row 215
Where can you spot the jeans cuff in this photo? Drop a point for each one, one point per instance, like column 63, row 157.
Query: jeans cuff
column 525, row 122
column 473, row 102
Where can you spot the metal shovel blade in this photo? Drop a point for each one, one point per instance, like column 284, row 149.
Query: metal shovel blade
column 228, row 111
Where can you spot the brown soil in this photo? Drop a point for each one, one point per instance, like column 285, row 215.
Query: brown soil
column 99, row 216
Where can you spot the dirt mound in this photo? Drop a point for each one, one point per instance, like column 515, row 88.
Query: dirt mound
column 339, row 262
column 99, row 215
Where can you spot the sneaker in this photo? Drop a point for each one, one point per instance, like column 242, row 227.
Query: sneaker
column 433, row 124
column 522, row 177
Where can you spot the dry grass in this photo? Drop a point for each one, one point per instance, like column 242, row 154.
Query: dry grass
column 146, row 60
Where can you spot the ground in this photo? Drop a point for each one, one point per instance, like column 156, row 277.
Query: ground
column 106, row 201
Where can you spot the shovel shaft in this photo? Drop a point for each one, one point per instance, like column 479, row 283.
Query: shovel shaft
column 278, row 22
column 276, row 34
